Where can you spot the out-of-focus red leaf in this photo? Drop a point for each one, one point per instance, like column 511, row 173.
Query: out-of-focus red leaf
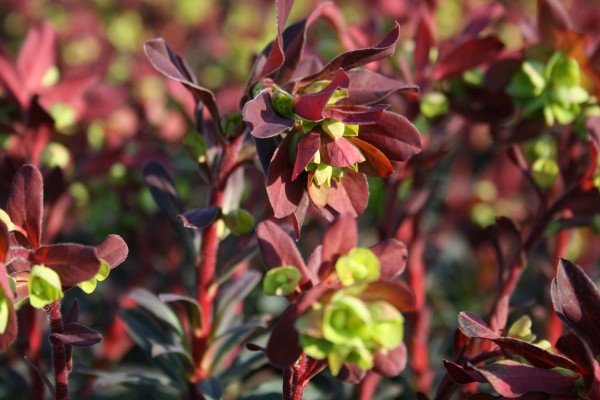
column 351, row 373
column 300, row 213
column 25, row 204
column 264, row 121
column 473, row 326
column 552, row 19
column 512, row 379
column 4, row 242
column 10, row 332
column 338, row 239
column 278, row 249
column 397, row 293
column 75, row 334
column 37, row 55
column 469, row 54
column 394, row 136
column 368, row 87
column 200, row 218
column 310, row 106
column 350, row 195
column 356, row 58
column 308, row 145
column 392, row 363
column 38, row 131
column 284, row 194
column 481, row 17
column 576, row 300
column 339, row 153
column 376, row 163
column 113, row 250
column 314, row 263
column 424, row 41
column 392, row 255
column 355, row 115
column 463, row 375
column 74, row 263
column 11, row 79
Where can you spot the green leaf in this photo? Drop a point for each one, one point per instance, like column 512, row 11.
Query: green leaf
column 239, row 221
column 387, row 328
column 316, row 348
column 351, row 130
column 563, row 115
column 528, row 81
column 564, row 71
column 232, row 124
column 359, row 265
column 281, row 281
column 195, row 145
column 323, row 175
column 434, row 104
column 521, row 329
column 44, row 286
column 346, row 320
column 570, row 95
column 104, row 271
column 333, row 128
column 283, row 103
column 88, row 286
column 4, row 217
column 336, row 357
column 149, row 302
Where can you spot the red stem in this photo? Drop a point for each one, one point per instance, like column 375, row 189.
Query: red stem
column 294, row 380
column 368, row 386
column 59, row 357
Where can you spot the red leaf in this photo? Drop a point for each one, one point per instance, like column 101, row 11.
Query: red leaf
column 392, row 255
column 397, row 293
column 392, row 363
column 308, row 145
column 424, row 41
column 355, row 115
column 552, row 19
column 10, row 332
column 75, row 334
column 310, row 106
column 25, row 204
column 463, row 375
column 11, row 79
column 200, row 218
column 469, row 54
column 338, row 239
column 350, row 195
column 339, row 153
column 4, row 241
column 74, row 263
column 376, row 163
column 394, row 136
column 38, row 131
column 368, row 87
column 263, row 119
column 481, row 17
column 277, row 248
column 535, row 355
column 472, row 326
column 113, row 250
column 572, row 346
column 512, row 379
column 351, row 373
column 284, row 194
column 37, row 55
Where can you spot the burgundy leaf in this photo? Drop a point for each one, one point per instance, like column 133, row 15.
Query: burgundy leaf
column 74, row 263
column 577, row 302
column 308, row 145
column 463, row 375
column 10, row 333
column 392, row 255
column 339, row 153
column 11, row 79
column 165, row 61
column 424, row 41
column 25, row 204
column 300, row 213
column 572, row 346
column 163, row 189
column 338, row 239
column 200, row 218
column 349, row 195
column 113, row 250
column 392, row 362
column 481, row 17
column 552, row 19
column 512, row 379
column 355, row 115
column 368, row 87
column 4, row 242
column 38, row 131
column 314, row 263
column 356, row 58
column 190, row 306
column 284, row 194
column 351, row 373
column 72, row 314
column 264, row 121
column 37, row 55
column 535, row 355
column 376, row 163
column 469, row 54
column 75, row 334
column 394, row 136
column 278, row 249
column 472, row 326
column 310, row 106
column 397, row 293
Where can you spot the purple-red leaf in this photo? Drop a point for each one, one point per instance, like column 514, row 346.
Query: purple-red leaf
column 339, row 153
column 339, row 238
column 424, row 41
column 552, row 19
column 535, row 355
column 350, row 195
column 572, row 346
column 113, row 250
column 577, row 301
column 472, row 326
column 394, row 136
column 284, row 194
column 481, row 17
column 264, row 121
column 355, row 115
column 397, row 293
column 74, row 263
column 512, row 379
column 200, row 218
column 392, row 255
column 11, row 79
column 308, row 145
column 25, row 204
column 37, row 55
column 368, row 87
column 278, row 249
column 376, row 163
column 75, row 334
column 38, row 132
column 163, row 189
column 469, row 54
column 351, row 373
column 310, row 106
column 390, row 363
column 463, row 375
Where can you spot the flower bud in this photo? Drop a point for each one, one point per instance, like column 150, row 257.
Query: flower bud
column 281, row 281
column 44, row 286
column 283, row 103
column 359, row 265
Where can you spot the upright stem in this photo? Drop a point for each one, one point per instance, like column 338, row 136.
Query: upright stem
column 59, row 357
column 294, row 380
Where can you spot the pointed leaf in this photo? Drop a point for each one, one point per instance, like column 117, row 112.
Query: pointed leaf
column 463, row 375
column 310, row 106
column 424, row 41
column 12, row 81
column 190, row 305
column 394, row 136
column 472, row 326
column 376, row 163
column 535, row 355
column 25, row 204
column 163, row 189
column 200, row 218
column 264, row 121
column 151, row 303
column 355, row 115
column 75, row 334
column 74, row 263
column 469, row 54
column 339, row 153
column 37, row 55
column 113, row 250
column 572, row 346
column 308, row 145
column 349, row 195
column 368, row 87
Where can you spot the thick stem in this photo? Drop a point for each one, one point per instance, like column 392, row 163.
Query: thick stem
column 294, row 380
column 59, row 357
column 368, row 386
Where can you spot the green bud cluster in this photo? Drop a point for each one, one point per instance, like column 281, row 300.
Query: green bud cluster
column 281, row 281
column 345, row 328
column 554, row 89
column 44, row 286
